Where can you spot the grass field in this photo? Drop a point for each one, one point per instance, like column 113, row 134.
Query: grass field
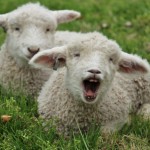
column 127, row 22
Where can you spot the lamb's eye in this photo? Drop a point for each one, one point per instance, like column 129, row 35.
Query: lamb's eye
column 77, row 55
column 111, row 59
column 48, row 29
column 17, row 28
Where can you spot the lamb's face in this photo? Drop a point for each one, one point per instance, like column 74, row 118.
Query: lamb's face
column 31, row 28
column 91, row 64
column 29, row 34
column 91, row 67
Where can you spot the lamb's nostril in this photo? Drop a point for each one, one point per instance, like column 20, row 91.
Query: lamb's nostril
column 33, row 50
column 94, row 71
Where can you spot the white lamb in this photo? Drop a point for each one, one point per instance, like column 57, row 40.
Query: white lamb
column 99, row 84
column 30, row 29
column 66, row 37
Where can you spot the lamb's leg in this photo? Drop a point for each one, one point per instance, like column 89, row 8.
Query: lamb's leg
column 114, row 126
column 145, row 111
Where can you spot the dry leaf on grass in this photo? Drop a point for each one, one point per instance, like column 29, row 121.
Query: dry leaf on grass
column 5, row 118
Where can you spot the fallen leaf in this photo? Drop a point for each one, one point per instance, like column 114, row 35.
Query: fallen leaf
column 104, row 25
column 128, row 24
column 5, row 118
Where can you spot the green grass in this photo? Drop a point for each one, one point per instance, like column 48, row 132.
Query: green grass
column 25, row 131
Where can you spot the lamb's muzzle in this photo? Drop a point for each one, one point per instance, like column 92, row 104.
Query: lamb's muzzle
column 32, row 51
column 94, row 71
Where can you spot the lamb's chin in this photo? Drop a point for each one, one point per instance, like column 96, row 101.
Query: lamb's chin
column 89, row 100
column 28, row 57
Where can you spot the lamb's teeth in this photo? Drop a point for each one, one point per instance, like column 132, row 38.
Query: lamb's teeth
column 93, row 80
column 91, row 97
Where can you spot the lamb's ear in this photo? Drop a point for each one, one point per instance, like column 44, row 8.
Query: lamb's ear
column 51, row 58
column 3, row 19
column 129, row 63
column 63, row 16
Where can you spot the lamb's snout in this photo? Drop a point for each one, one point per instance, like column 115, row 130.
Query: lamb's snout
column 33, row 50
column 94, row 71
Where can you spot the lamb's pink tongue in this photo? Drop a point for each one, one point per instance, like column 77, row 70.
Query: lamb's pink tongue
column 89, row 93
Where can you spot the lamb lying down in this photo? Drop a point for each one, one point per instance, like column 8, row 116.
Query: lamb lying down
column 30, row 29
column 99, row 84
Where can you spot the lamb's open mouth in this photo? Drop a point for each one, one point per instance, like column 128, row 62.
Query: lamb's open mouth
column 91, row 86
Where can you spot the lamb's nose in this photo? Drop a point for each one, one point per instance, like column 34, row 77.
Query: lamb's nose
column 94, row 71
column 33, row 50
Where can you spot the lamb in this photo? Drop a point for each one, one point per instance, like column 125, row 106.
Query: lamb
column 70, row 36
column 96, row 83
column 30, row 29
